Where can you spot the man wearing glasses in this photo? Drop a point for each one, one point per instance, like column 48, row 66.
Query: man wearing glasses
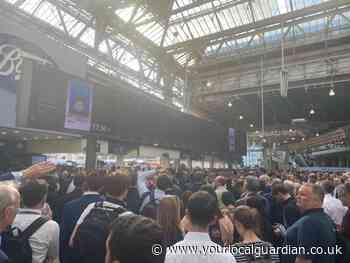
column 9, row 205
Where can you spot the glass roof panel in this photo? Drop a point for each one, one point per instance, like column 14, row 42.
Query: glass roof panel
column 30, row 6
column 88, row 37
column 103, row 47
column 11, row 1
column 211, row 17
column 48, row 12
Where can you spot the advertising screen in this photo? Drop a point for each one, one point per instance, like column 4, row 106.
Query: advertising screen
column 79, row 105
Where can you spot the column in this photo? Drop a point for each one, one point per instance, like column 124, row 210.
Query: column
column 91, row 149
column 212, row 159
column 189, row 163
column 23, row 91
column 168, row 87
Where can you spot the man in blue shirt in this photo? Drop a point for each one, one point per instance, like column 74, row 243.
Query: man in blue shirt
column 313, row 229
column 9, row 204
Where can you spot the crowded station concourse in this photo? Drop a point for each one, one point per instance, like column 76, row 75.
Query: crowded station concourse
column 174, row 131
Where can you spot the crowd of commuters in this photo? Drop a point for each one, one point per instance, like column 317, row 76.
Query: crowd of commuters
column 148, row 216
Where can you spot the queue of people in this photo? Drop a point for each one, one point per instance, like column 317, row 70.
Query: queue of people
column 132, row 215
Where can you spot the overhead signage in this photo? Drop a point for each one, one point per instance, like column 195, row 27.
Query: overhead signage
column 79, row 105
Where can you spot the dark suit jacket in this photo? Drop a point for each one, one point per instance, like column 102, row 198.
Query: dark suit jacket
column 3, row 257
column 63, row 200
column 71, row 213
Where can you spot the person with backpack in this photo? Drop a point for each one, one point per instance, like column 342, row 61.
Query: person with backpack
column 71, row 213
column 245, row 223
column 9, row 204
column 91, row 231
column 33, row 238
column 151, row 190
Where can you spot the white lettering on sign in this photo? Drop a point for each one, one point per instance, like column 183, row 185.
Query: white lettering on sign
column 10, row 61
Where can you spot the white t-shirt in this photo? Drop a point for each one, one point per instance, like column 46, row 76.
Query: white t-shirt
column 45, row 241
column 198, row 248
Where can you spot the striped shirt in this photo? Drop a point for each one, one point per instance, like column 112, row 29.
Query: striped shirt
column 259, row 251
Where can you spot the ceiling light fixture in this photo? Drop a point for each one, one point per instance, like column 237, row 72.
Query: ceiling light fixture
column 312, row 111
column 209, row 84
column 303, row 139
column 16, row 132
column 317, row 134
column 251, row 125
column 229, row 104
column 241, row 117
column 3, row 133
column 331, row 92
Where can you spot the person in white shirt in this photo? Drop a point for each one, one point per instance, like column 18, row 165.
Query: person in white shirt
column 45, row 241
column 197, row 246
column 331, row 205
column 220, row 188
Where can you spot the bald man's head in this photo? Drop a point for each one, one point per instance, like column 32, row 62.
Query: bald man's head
column 9, row 204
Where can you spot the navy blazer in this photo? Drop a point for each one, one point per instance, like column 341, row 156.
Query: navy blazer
column 71, row 213
column 3, row 257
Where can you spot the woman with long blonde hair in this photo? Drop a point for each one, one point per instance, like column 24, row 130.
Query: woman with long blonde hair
column 169, row 217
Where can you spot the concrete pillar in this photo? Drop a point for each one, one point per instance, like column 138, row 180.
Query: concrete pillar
column 91, row 149
column 189, row 163
column 23, row 92
column 168, row 87
column 212, row 160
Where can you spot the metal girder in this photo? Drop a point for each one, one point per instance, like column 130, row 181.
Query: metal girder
column 89, row 23
column 138, row 39
column 194, row 4
column 249, row 53
column 129, row 31
column 305, row 71
column 266, row 25
column 195, row 15
column 62, row 20
column 62, row 37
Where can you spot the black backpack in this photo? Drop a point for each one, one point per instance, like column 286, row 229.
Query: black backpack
column 90, row 240
column 15, row 243
column 151, row 208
